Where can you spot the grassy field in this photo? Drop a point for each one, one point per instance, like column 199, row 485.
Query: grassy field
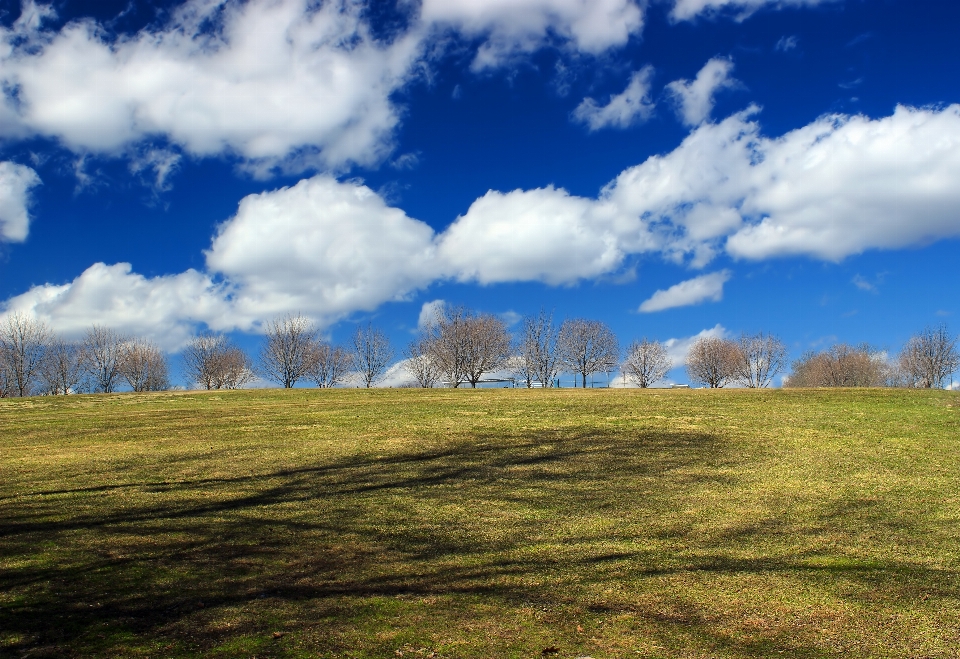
column 487, row 523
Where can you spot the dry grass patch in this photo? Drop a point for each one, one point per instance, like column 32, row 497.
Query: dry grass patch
column 491, row 523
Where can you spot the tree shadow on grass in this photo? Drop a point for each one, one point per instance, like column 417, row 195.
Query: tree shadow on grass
column 163, row 562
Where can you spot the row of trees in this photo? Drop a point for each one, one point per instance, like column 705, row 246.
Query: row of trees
column 926, row 361
column 463, row 346
column 753, row 360
column 459, row 346
column 293, row 351
column 33, row 359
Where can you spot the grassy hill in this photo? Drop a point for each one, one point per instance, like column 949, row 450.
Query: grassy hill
column 481, row 523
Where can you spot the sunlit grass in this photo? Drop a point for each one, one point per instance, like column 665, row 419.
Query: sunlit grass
column 487, row 523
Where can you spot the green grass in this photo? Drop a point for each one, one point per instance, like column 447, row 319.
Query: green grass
column 484, row 523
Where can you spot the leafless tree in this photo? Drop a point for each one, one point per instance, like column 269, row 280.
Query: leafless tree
column 23, row 346
column 201, row 358
column 463, row 346
column 586, row 347
column 420, row 363
column 102, row 350
column 287, row 349
column 6, row 382
column 758, row 359
column 488, row 346
column 647, row 362
column 372, row 354
column 930, row 357
column 537, row 358
column 63, row 368
column 234, row 369
column 842, row 365
column 447, row 346
column 213, row 362
column 712, row 361
column 144, row 366
column 329, row 364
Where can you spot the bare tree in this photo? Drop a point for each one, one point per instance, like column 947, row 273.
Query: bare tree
column 420, row 363
column 647, row 362
column 63, row 368
column 213, row 362
column 712, row 361
column 144, row 366
column 329, row 364
column 201, row 358
column 287, row 349
column 758, row 359
column 102, row 350
column 586, row 347
column 234, row 369
column 23, row 344
column 372, row 354
column 6, row 382
column 930, row 357
column 537, row 358
column 447, row 344
column 488, row 346
column 842, row 365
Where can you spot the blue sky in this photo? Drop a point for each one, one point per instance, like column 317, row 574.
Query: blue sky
column 672, row 168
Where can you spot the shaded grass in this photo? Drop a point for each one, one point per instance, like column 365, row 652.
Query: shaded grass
column 483, row 523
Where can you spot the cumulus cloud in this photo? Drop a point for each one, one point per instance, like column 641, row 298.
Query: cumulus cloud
column 293, row 85
column 289, row 84
column 163, row 309
column 513, row 27
column 544, row 234
column 16, row 181
column 429, row 313
column 321, row 247
column 685, row 10
column 842, row 185
column 631, row 106
column 694, row 98
column 679, row 349
column 278, row 81
column 689, row 292
column 839, row 186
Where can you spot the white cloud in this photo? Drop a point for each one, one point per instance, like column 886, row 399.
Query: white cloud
column 685, row 10
column 679, row 349
column 15, row 184
column 787, row 43
column 395, row 376
column 162, row 162
column 293, row 84
column 429, row 313
column 544, row 234
column 163, row 309
column 863, row 284
column 837, row 187
column 689, row 292
column 280, row 82
column 631, row 106
column 843, row 185
column 694, row 98
column 327, row 249
column 514, row 27
column 323, row 248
